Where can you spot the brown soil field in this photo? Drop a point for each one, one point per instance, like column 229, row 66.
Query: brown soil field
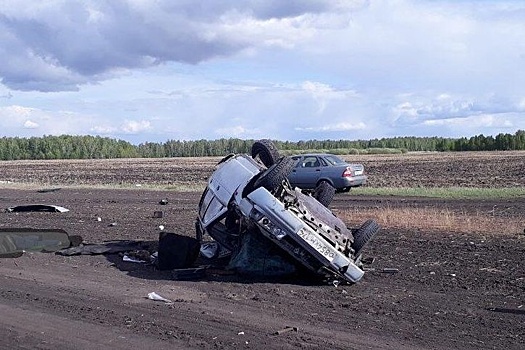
column 450, row 288
column 461, row 169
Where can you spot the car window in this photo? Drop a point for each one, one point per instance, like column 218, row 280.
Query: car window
column 334, row 160
column 310, row 162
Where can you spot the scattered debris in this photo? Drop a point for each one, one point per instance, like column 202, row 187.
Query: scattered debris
column 176, row 251
column 209, row 249
column 163, row 202
column 161, row 227
column 390, row 270
column 38, row 207
column 110, row 247
column 14, row 241
column 507, row 310
column 156, row 297
column 113, row 224
column 99, row 219
column 189, row 274
column 158, row 214
column 139, row 257
column 286, row 330
column 45, row 190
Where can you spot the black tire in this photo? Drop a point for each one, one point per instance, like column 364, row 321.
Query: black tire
column 266, row 151
column 324, row 193
column 274, row 176
column 364, row 234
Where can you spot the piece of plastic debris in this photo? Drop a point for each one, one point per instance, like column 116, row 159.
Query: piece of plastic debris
column 38, row 207
column 127, row 258
column 161, row 227
column 240, row 333
column 390, row 270
column 113, row 224
column 336, row 283
column 452, row 275
column 99, row 219
column 163, row 202
column 209, row 249
column 286, row 330
column 156, row 297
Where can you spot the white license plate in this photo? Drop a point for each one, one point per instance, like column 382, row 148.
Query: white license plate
column 317, row 244
column 359, row 172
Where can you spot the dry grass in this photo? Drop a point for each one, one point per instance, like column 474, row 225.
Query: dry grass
column 434, row 219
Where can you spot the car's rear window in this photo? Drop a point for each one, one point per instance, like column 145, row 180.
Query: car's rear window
column 334, row 160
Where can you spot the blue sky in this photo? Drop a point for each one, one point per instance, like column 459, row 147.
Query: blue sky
column 158, row 70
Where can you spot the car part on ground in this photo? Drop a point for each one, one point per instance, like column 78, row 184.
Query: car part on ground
column 312, row 169
column 38, row 207
column 14, row 241
column 244, row 200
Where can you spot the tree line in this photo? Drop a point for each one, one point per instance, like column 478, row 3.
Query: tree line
column 96, row 147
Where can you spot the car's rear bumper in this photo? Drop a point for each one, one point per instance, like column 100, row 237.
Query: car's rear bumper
column 351, row 181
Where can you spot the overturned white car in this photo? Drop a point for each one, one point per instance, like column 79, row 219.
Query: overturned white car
column 245, row 197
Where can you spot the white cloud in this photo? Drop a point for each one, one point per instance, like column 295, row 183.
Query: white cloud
column 482, row 121
column 343, row 126
column 135, row 127
column 28, row 124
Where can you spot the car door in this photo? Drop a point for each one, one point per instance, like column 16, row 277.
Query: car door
column 306, row 172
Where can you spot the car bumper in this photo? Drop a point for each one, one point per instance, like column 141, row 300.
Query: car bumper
column 351, row 181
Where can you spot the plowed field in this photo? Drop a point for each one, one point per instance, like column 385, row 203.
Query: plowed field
column 441, row 289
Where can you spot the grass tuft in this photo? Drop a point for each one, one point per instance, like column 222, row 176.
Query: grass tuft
column 442, row 192
column 434, row 219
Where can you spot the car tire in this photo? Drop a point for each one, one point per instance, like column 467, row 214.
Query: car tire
column 364, row 234
column 324, row 193
column 266, row 151
column 274, row 176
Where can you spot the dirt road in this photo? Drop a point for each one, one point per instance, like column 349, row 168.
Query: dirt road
column 451, row 290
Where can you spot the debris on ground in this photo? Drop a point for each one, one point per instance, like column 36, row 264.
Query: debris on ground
column 286, row 330
column 46, row 190
column 38, row 207
column 110, row 247
column 14, row 241
column 154, row 296
column 176, row 251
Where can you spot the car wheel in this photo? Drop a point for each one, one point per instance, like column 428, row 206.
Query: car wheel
column 324, row 193
column 274, row 176
column 266, row 151
column 364, row 234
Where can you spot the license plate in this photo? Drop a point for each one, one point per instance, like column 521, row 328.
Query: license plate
column 359, row 172
column 317, row 244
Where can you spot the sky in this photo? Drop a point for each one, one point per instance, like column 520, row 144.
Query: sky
column 159, row 70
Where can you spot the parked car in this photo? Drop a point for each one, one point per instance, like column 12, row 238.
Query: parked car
column 313, row 169
column 244, row 198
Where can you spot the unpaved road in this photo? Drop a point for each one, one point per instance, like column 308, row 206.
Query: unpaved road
column 464, row 291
